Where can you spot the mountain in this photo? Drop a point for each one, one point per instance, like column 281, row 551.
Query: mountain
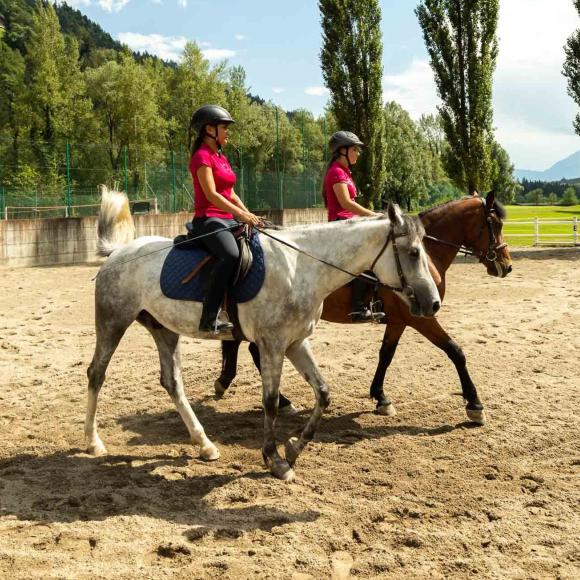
column 568, row 168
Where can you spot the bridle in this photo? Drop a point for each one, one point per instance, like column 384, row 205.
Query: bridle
column 491, row 253
column 404, row 287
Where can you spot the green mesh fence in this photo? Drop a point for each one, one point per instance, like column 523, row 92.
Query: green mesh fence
column 67, row 184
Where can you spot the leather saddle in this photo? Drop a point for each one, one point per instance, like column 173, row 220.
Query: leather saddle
column 242, row 236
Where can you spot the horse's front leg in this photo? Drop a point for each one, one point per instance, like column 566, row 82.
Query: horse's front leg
column 301, row 357
column 391, row 339
column 272, row 360
column 433, row 331
column 230, row 350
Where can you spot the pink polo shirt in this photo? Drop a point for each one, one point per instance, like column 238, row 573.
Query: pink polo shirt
column 223, row 176
column 337, row 174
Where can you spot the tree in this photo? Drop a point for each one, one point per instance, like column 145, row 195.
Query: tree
column 351, row 60
column 461, row 40
column 536, row 196
column 569, row 197
column 406, row 160
column 503, row 182
column 552, row 198
column 571, row 69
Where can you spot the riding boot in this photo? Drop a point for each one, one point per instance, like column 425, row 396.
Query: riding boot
column 361, row 311
column 210, row 316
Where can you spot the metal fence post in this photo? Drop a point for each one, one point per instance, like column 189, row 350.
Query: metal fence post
column 278, row 182
column 173, row 184
column 536, row 231
column 575, row 230
column 125, row 170
column 68, row 185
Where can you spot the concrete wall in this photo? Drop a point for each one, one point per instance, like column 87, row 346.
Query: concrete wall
column 41, row 242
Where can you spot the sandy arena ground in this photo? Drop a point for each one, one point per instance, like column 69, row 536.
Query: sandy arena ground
column 419, row 495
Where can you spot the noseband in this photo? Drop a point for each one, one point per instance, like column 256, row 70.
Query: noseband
column 489, row 255
column 404, row 287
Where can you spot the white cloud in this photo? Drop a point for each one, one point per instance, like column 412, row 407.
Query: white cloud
column 278, row 90
column 218, row 53
column 414, row 89
column 165, row 47
column 112, row 5
column 532, row 112
column 316, row 91
column 75, row 3
column 240, row 37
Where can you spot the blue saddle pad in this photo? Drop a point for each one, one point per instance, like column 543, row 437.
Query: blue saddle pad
column 180, row 262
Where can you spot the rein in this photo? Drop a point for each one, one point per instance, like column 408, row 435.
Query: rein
column 490, row 255
column 363, row 276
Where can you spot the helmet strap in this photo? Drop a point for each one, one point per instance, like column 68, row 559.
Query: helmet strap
column 215, row 138
column 345, row 155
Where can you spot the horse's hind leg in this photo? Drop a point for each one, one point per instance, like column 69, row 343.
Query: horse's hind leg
column 301, row 357
column 230, row 350
column 108, row 338
column 168, row 346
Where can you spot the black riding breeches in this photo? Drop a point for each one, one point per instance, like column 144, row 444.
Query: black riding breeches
column 224, row 247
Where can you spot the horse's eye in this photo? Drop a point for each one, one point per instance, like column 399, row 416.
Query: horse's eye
column 414, row 253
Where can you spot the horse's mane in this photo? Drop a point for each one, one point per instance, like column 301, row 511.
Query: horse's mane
column 499, row 207
column 413, row 224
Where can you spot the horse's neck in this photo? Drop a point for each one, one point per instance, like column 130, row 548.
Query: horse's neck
column 351, row 246
column 447, row 226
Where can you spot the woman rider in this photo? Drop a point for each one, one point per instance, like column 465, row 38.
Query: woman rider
column 339, row 197
column 216, row 208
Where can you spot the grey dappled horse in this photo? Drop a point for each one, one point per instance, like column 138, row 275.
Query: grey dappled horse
column 279, row 320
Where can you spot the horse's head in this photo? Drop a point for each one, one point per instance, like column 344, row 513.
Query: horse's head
column 403, row 264
column 487, row 242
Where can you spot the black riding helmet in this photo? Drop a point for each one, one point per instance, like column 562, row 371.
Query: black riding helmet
column 209, row 115
column 343, row 139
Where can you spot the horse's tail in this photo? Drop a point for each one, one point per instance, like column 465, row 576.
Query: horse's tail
column 115, row 227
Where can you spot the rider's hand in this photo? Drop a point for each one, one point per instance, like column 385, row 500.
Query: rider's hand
column 250, row 218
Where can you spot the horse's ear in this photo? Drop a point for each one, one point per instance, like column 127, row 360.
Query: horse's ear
column 490, row 199
column 394, row 214
column 474, row 193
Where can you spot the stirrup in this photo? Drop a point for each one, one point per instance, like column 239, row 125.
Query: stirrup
column 366, row 315
column 217, row 327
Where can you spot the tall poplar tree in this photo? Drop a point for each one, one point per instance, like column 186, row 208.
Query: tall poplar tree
column 351, row 59
column 460, row 36
column 571, row 68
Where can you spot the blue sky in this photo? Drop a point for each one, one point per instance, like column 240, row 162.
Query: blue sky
column 278, row 44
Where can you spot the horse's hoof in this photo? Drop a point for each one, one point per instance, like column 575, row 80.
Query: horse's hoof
column 288, row 410
column 282, row 470
column 219, row 390
column 291, row 450
column 97, row 449
column 476, row 416
column 209, row 452
column 387, row 410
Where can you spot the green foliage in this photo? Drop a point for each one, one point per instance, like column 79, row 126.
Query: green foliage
column 462, row 44
column 503, row 182
column 569, row 197
column 536, row 196
column 571, row 68
column 351, row 60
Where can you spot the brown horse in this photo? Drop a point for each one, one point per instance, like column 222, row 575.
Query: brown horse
column 472, row 225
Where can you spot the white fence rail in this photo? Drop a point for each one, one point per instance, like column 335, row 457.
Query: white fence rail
column 549, row 232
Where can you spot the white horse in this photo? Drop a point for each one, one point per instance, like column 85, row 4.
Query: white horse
column 279, row 319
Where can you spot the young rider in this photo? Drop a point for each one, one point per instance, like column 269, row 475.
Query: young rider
column 216, row 208
column 339, row 197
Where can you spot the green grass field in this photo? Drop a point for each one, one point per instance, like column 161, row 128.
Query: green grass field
column 555, row 234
